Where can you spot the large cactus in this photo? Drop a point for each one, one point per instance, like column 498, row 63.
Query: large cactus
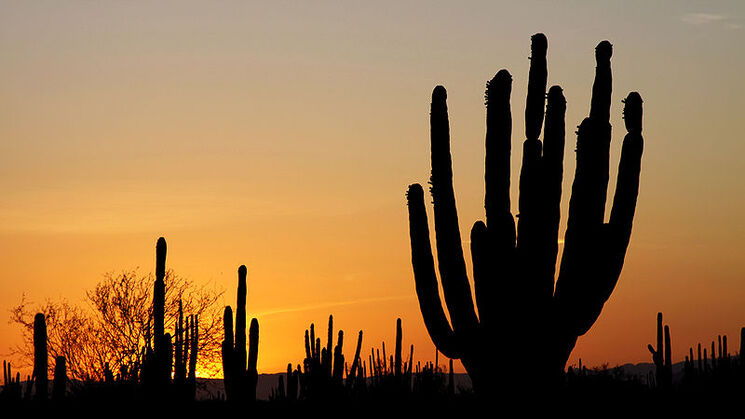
column 514, row 268
column 240, row 380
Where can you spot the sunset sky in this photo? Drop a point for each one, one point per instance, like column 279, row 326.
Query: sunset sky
column 282, row 135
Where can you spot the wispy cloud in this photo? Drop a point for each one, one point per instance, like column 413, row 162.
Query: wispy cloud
column 701, row 19
column 330, row 304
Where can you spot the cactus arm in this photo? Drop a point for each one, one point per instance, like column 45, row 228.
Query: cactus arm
column 587, row 204
column 602, row 85
column 253, row 354
column 531, row 220
column 537, row 78
column 529, row 202
column 497, row 162
column 227, row 352
column 553, row 171
column 329, row 342
column 356, row 362
column 627, row 185
column 451, row 263
column 495, row 246
column 424, row 275
column 240, row 320
column 482, row 273
column 668, row 349
column 313, row 348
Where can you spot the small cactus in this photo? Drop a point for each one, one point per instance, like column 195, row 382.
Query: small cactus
column 41, row 360
column 240, row 379
column 662, row 356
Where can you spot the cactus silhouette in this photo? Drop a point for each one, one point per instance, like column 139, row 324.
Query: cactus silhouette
column 240, row 378
column 41, row 360
column 158, row 359
column 662, row 356
column 185, row 353
column 514, row 266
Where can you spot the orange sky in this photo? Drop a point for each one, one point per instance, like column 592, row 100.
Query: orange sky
column 282, row 136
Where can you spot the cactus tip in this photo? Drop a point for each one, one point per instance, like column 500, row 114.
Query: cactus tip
column 161, row 246
column 414, row 193
column 499, row 85
column 632, row 112
column 538, row 43
column 439, row 93
column 604, row 51
column 556, row 95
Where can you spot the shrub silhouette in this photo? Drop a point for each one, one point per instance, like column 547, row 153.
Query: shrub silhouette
column 514, row 268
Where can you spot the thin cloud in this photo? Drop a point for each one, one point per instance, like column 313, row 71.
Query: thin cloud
column 702, row 18
column 328, row 305
column 711, row 19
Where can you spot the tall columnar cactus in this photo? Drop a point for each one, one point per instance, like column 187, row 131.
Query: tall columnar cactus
column 352, row 376
column 397, row 368
column 159, row 295
column 514, row 266
column 11, row 386
column 240, row 379
column 662, row 356
column 41, row 360
column 193, row 348
column 161, row 359
column 338, row 361
column 180, row 349
column 185, row 352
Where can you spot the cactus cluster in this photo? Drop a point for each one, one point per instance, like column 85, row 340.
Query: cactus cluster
column 717, row 369
column 517, row 296
column 163, row 355
column 158, row 360
column 391, row 376
column 185, row 353
column 323, row 367
column 240, row 379
column 11, row 384
column 392, row 370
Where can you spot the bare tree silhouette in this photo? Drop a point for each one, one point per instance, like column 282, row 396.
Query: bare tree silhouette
column 112, row 330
